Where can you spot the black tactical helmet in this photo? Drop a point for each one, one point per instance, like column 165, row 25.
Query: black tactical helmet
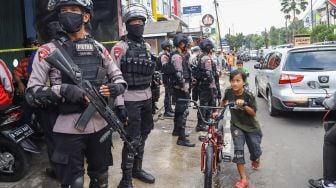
column 180, row 37
column 206, row 45
column 57, row 4
column 134, row 12
column 166, row 43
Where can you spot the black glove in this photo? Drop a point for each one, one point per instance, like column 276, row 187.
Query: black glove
column 121, row 112
column 72, row 93
column 319, row 100
column 116, row 89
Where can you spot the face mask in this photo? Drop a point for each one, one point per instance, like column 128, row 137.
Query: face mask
column 136, row 30
column 71, row 22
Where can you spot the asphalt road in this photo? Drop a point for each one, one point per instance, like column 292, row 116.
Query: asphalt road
column 292, row 153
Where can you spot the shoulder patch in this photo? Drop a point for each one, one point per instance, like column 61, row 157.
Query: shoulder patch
column 117, row 52
column 43, row 52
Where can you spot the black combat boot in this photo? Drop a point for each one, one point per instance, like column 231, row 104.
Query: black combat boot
column 185, row 142
column 200, row 127
column 126, row 180
column 168, row 114
column 126, row 166
column 138, row 172
column 99, row 182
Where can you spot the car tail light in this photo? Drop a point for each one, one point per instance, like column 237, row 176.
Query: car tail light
column 12, row 117
column 290, row 78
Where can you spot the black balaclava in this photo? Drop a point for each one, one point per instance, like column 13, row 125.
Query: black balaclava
column 135, row 32
column 71, row 22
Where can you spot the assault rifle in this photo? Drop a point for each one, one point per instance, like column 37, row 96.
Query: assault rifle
column 97, row 103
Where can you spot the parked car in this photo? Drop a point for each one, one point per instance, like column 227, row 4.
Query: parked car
column 254, row 54
column 282, row 77
column 245, row 56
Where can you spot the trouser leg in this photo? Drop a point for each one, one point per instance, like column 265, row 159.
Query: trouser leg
column 98, row 164
column 329, row 155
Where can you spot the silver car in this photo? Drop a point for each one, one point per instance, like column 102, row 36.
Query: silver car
column 283, row 74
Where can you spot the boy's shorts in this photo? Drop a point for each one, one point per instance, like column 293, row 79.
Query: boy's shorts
column 253, row 141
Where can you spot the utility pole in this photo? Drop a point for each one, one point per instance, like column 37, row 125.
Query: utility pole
column 327, row 12
column 266, row 39
column 219, row 33
column 311, row 14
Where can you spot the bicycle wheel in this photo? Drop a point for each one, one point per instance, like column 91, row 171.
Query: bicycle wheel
column 209, row 157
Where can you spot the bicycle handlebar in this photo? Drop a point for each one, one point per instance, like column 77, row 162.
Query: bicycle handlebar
column 216, row 120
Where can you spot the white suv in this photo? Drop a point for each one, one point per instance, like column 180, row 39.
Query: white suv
column 283, row 74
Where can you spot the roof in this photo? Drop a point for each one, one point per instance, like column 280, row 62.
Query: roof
column 167, row 27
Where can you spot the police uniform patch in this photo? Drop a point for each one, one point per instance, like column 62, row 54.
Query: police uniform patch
column 43, row 52
column 117, row 52
column 84, row 49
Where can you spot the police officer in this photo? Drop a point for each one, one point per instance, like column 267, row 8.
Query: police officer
column 195, row 52
column 137, row 67
column 72, row 145
column 206, row 82
column 166, row 47
column 182, row 79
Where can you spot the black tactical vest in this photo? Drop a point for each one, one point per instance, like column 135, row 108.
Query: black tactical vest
column 84, row 53
column 185, row 66
column 137, row 66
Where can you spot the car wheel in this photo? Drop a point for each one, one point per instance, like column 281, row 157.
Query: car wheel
column 257, row 90
column 271, row 110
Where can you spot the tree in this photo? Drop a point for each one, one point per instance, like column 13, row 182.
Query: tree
column 294, row 6
column 322, row 33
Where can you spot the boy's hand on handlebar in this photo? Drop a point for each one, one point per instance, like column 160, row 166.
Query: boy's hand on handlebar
column 214, row 115
column 240, row 102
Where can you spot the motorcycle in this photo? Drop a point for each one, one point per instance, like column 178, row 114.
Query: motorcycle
column 15, row 144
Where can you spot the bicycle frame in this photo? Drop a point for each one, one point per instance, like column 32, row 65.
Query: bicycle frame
column 213, row 138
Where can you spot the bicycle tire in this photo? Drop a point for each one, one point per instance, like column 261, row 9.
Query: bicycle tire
column 209, row 157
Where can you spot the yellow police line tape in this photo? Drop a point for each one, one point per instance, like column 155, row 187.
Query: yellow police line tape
column 31, row 49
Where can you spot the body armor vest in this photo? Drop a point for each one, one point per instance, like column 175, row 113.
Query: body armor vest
column 185, row 66
column 206, row 72
column 137, row 66
column 84, row 53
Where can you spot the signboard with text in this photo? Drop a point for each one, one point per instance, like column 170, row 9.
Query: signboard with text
column 301, row 40
column 192, row 9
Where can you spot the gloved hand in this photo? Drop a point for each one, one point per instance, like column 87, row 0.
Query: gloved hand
column 121, row 112
column 319, row 100
column 116, row 89
column 72, row 93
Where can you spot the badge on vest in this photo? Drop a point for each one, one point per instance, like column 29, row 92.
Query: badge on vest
column 84, row 49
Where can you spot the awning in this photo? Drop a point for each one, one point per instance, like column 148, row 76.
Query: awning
column 162, row 28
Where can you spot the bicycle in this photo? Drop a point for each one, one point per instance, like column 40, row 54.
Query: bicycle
column 213, row 144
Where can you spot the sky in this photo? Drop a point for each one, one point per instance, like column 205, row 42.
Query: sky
column 246, row 16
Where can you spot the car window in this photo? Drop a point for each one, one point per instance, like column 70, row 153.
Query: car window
column 311, row 61
column 273, row 61
column 264, row 61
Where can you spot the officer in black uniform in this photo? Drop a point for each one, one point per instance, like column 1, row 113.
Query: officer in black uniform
column 166, row 76
column 72, row 146
column 155, row 87
column 135, row 62
column 182, row 78
column 206, row 82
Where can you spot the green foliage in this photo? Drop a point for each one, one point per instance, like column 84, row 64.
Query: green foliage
column 321, row 33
